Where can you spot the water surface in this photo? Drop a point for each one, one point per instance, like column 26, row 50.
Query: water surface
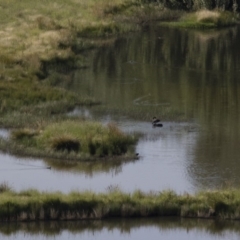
column 190, row 79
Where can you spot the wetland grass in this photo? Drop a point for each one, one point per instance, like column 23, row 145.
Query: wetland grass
column 72, row 139
column 31, row 205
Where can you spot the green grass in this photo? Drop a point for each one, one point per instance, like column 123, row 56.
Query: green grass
column 35, row 34
column 33, row 205
column 74, row 139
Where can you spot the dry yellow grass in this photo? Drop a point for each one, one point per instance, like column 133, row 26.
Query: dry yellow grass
column 206, row 14
column 38, row 27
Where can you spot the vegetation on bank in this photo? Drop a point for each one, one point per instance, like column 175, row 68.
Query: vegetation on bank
column 71, row 139
column 31, row 205
column 34, row 35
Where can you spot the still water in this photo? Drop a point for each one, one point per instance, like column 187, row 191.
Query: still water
column 189, row 79
column 123, row 229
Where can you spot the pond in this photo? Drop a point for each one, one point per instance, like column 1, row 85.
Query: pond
column 189, row 79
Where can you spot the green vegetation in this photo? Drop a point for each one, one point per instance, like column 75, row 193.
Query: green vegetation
column 33, row 205
column 72, row 140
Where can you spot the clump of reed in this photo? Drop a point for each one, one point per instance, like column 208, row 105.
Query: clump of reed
column 84, row 138
column 33, row 205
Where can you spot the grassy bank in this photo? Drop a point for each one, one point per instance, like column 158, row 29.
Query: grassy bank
column 31, row 205
column 71, row 139
column 37, row 35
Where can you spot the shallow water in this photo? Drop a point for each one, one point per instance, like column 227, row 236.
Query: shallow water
column 191, row 76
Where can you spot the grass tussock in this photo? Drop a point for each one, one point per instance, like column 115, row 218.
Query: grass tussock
column 77, row 139
column 33, row 205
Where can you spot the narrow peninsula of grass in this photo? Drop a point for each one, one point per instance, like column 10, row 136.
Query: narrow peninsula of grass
column 71, row 139
column 205, row 19
column 31, row 205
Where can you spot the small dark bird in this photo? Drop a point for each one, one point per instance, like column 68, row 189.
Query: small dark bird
column 136, row 156
column 156, row 122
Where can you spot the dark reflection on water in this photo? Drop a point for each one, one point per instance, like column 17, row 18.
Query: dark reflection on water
column 166, row 228
column 89, row 168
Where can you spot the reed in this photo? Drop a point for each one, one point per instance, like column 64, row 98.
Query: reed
column 78, row 139
column 33, row 205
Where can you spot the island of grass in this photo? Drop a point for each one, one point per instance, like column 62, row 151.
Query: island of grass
column 72, row 139
column 32, row 205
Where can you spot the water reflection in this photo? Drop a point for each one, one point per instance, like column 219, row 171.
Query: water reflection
column 89, row 169
column 166, row 228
